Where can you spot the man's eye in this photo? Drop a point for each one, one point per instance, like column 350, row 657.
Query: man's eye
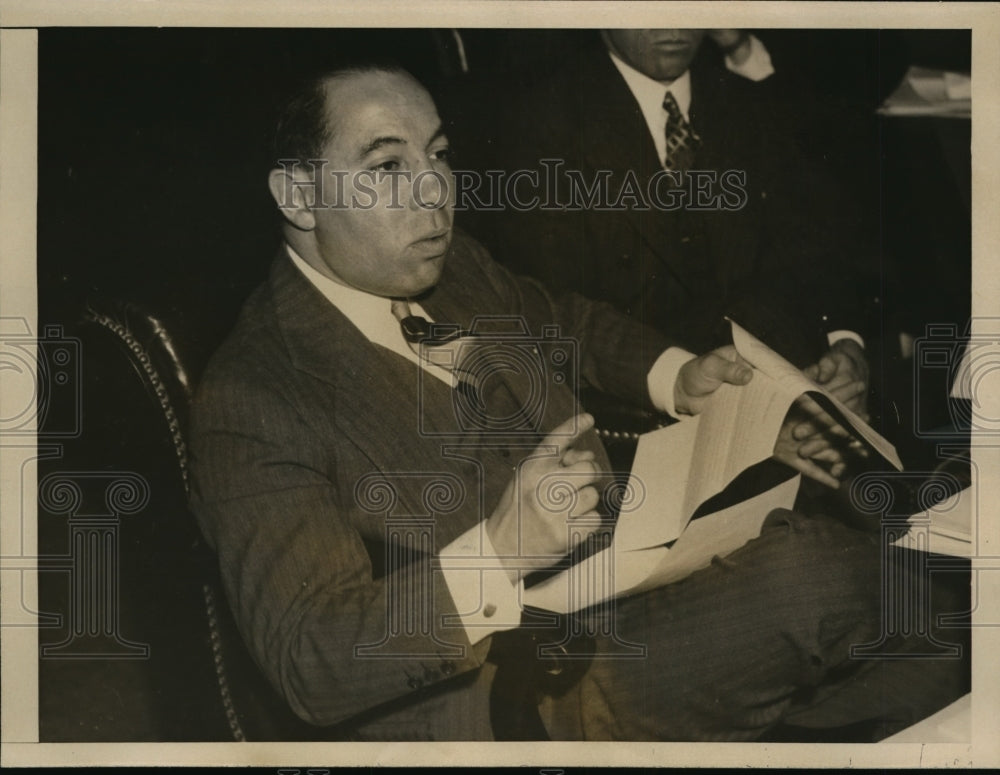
column 442, row 154
column 386, row 166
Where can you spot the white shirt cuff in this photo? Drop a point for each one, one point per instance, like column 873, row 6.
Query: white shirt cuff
column 757, row 66
column 663, row 376
column 834, row 336
column 484, row 597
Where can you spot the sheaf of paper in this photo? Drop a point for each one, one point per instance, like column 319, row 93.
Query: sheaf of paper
column 944, row 529
column 683, row 465
column 616, row 572
column 796, row 383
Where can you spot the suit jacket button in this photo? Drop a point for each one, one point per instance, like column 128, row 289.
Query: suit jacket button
column 414, row 683
column 447, row 667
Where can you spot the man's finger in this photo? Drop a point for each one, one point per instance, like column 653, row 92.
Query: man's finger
column 813, row 471
column 573, row 455
column 820, row 417
column 813, row 446
column 562, row 436
column 827, row 368
column 581, row 474
column 586, row 501
column 849, row 390
column 823, row 455
column 718, row 367
column 805, row 430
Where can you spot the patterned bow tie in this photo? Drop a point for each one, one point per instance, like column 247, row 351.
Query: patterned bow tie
column 445, row 346
column 682, row 141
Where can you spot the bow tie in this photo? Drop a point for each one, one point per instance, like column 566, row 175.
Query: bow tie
column 444, row 345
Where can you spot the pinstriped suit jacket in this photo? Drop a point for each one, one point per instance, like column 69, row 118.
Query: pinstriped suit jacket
column 310, row 445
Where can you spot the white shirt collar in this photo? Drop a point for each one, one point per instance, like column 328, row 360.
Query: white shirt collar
column 649, row 93
column 370, row 314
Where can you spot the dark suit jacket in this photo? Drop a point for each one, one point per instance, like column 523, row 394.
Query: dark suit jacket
column 310, row 443
column 781, row 264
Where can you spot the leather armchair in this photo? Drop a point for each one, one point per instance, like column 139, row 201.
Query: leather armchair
column 133, row 357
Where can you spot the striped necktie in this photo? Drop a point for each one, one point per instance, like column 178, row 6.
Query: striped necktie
column 682, row 141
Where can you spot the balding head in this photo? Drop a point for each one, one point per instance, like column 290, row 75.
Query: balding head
column 376, row 214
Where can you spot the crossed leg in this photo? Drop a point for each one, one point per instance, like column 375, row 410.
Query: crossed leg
column 760, row 637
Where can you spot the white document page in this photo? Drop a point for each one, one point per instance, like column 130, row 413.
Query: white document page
column 615, row 572
column 679, row 467
column 796, row 383
column 944, row 529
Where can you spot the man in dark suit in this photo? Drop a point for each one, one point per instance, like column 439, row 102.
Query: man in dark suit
column 375, row 510
column 742, row 222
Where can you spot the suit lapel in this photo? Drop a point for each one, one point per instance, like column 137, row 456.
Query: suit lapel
column 376, row 391
column 613, row 131
column 620, row 140
column 400, row 424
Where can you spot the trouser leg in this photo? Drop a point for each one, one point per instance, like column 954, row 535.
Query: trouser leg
column 739, row 645
column 919, row 663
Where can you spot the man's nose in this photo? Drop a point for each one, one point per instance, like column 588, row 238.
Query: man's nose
column 431, row 190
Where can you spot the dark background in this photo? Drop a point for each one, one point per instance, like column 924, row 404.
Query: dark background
column 152, row 188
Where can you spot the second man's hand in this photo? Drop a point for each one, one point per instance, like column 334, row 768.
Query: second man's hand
column 735, row 44
column 841, row 369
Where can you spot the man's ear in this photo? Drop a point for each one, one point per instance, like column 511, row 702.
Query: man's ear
column 290, row 196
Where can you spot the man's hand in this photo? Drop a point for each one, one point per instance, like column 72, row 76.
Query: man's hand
column 824, row 443
column 839, row 370
column 843, row 371
column 529, row 528
column 735, row 44
column 702, row 376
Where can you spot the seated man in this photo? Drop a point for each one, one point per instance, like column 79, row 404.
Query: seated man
column 680, row 192
column 375, row 507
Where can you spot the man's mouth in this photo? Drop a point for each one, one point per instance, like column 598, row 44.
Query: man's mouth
column 672, row 46
column 434, row 242
column 435, row 236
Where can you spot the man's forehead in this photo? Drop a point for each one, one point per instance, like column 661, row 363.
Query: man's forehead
column 364, row 106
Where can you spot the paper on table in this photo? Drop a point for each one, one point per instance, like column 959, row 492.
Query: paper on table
column 939, row 85
column 616, row 572
column 928, row 92
column 948, row 527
